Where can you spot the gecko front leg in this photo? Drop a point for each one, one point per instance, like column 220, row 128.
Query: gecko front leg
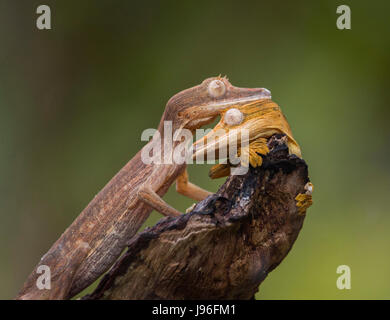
column 253, row 154
column 147, row 193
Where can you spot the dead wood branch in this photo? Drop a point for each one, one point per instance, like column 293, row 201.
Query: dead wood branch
column 225, row 247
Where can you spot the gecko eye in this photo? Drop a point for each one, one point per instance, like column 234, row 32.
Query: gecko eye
column 216, row 88
column 233, row 117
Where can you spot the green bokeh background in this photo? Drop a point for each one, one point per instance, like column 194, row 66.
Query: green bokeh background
column 74, row 101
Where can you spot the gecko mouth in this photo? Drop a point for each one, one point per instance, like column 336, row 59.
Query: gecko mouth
column 259, row 94
column 202, row 114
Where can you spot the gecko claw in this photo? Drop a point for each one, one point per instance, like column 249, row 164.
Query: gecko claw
column 189, row 209
column 304, row 200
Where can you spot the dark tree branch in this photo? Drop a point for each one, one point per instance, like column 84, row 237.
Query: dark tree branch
column 225, row 247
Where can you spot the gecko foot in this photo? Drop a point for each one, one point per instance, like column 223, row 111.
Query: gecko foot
column 253, row 155
column 304, row 200
column 189, row 209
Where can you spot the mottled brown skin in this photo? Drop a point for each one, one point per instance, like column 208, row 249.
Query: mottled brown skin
column 93, row 242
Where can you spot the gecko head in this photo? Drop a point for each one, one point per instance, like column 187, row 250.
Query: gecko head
column 244, row 124
column 201, row 104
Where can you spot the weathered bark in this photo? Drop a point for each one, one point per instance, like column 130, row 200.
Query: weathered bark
column 225, row 247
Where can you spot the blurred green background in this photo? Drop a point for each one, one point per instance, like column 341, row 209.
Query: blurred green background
column 75, row 99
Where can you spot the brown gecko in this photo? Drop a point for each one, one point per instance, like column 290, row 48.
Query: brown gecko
column 92, row 243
